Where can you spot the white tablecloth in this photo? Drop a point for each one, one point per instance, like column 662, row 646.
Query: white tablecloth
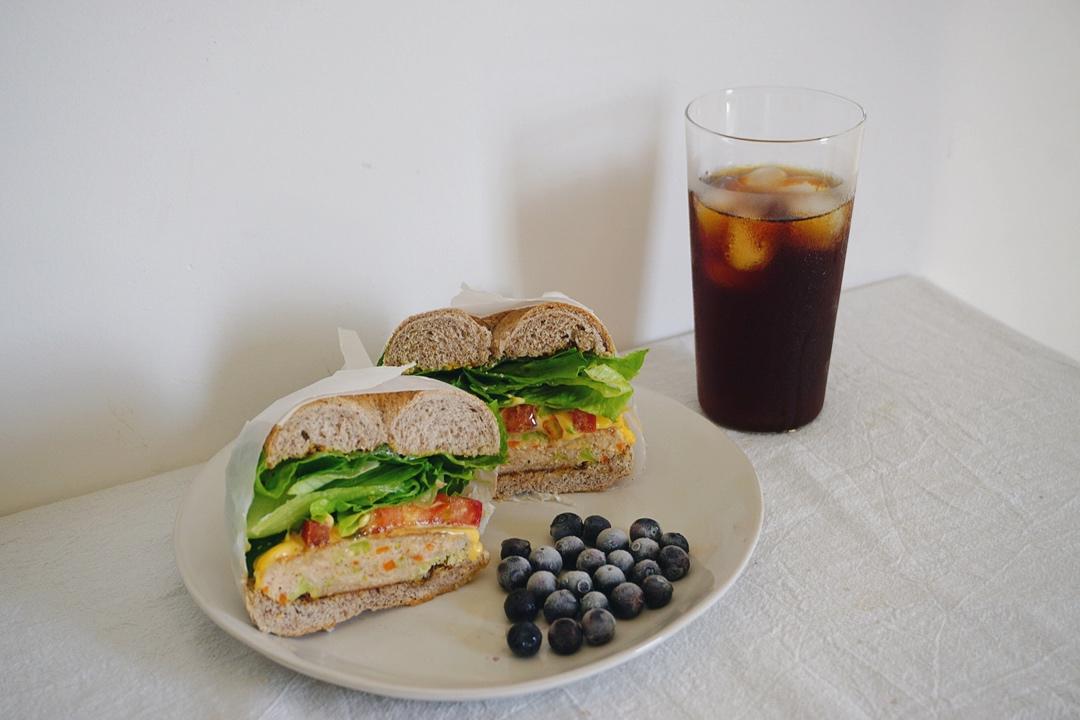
column 920, row 558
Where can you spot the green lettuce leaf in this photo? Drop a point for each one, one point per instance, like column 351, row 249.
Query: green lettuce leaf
column 309, row 473
column 348, row 485
column 565, row 381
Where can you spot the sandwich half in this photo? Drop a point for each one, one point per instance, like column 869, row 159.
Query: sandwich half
column 551, row 373
column 359, row 505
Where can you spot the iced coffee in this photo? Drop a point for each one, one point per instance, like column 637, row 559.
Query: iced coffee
column 771, row 192
column 767, row 251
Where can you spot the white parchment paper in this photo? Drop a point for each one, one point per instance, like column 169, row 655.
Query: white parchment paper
column 481, row 303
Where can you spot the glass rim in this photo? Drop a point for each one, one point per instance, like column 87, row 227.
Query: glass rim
column 818, row 138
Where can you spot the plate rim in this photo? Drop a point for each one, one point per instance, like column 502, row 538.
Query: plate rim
column 412, row 692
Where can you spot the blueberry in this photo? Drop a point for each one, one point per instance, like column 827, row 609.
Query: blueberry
column 565, row 524
column 575, row 581
column 515, row 546
column 645, row 528
column 541, row 584
column 607, row 577
column 674, row 539
column 590, row 559
column 657, row 591
column 560, row 604
column 564, row 636
column 643, row 569
column 598, row 626
column 547, row 558
column 644, row 549
column 514, row 572
column 627, row 600
column 612, row 539
column 569, row 547
column 674, row 562
column 592, row 527
column 520, row 605
column 524, row 639
column 622, row 560
column 593, row 600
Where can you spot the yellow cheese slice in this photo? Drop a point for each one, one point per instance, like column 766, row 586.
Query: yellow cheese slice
column 292, row 545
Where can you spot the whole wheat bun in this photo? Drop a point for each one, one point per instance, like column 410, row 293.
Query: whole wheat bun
column 411, row 422
column 587, row 477
column 305, row 615
column 442, row 339
column 450, row 338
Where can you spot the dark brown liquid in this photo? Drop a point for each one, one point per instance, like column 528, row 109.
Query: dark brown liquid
column 766, row 275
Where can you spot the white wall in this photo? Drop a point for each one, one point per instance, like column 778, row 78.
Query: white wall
column 193, row 196
column 1005, row 230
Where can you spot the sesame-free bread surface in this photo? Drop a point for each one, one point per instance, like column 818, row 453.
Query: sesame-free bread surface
column 439, row 340
column 590, row 477
column 548, row 328
column 411, row 422
column 450, row 338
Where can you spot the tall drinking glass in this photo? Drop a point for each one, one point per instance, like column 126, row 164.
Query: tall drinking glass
column 771, row 174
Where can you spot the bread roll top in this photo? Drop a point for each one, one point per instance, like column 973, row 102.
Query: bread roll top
column 439, row 340
column 450, row 338
column 410, row 422
column 548, row 328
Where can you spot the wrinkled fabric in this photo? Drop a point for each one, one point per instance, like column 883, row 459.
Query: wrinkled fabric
column 920, row 558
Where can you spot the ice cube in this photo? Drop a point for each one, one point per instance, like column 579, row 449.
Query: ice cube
column 739, row 204
column 751, row 244
column 766, row 177
column 822, row 232
column 718, row 198
column 797, row 186
column 711, row 225
column 753, row 204
column 811, row 204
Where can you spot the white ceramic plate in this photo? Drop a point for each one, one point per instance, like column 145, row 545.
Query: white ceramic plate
column 696, row 482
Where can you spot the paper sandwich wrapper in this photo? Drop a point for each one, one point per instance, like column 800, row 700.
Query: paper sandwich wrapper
column 481, row 303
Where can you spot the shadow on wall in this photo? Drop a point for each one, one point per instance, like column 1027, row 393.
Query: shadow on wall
column 274, row 347
column 580, row 198
column 76, row 412
column 581, row 187
column 580, row 193
column 121, row 421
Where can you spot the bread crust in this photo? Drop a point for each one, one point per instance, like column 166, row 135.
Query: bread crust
column 548, row 328
column 532, row 331
column 537, row 330
column 441, row 339
column 349, row 423
column 588, row 477
column 305, row 615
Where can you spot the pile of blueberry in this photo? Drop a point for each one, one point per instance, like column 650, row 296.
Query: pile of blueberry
column 593, row 574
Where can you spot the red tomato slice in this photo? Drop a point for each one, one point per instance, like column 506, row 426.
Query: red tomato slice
column 583, row 422
column 519, row 418
column 315, row 534
column 446, row 511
